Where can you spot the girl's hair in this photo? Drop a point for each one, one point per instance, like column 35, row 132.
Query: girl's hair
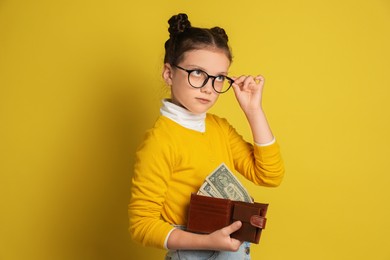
column 183, row 37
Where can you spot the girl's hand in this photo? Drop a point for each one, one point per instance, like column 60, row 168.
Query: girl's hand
column 220, row 240
column 248, row 91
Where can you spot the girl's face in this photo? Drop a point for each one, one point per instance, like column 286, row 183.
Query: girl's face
column 197, row 100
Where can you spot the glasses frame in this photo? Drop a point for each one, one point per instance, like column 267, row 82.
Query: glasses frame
column 207, row 79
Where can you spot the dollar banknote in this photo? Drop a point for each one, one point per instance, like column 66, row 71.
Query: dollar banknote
column 208, row 190
column 222, row 183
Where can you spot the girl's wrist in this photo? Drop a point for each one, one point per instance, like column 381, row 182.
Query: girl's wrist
column 252, row 113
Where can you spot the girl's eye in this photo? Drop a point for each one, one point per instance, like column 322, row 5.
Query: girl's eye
column 197, row 73
column 220, row 78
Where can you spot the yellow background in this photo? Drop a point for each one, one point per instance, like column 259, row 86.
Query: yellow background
column 80, row 81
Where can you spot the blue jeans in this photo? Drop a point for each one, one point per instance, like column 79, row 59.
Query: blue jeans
column 243, row 253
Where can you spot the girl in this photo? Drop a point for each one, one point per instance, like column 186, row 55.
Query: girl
column 187, row 143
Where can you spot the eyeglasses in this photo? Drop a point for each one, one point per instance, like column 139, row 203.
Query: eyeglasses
column 198, row 79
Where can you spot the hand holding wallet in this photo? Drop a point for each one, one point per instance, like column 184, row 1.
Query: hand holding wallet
column 208, row 214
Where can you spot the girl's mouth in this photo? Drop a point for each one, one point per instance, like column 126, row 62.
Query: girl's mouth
column 203, row 101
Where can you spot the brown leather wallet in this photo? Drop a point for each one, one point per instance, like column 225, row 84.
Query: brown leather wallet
column 208, row 214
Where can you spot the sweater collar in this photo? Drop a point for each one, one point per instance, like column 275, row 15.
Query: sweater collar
column 183, row 117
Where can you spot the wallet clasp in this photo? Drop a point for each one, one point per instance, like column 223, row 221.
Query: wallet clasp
column 258, row 221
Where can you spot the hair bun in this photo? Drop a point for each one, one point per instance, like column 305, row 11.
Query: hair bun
column 221, row 32
column 178, row 24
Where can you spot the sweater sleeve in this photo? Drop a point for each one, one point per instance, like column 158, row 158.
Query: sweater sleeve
column 263, row 165
column 149, row 186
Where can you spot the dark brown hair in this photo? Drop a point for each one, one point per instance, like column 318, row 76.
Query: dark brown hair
column 183, row 37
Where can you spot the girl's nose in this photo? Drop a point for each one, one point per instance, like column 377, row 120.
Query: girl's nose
column 208, row 88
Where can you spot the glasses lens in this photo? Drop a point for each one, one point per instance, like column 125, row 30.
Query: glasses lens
column 197, row 78
column 222, row 84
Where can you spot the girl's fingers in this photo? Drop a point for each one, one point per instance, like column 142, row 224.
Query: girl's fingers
column 248, row 82
column 243, row 81
column 233, row 227
column 259, row 78
column 239, row 80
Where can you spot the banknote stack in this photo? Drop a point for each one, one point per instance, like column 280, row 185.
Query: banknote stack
column 222, row 183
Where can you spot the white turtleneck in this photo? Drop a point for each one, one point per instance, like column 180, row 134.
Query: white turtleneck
column 183, row 117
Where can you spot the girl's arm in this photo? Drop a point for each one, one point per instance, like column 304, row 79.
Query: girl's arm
column 219, row 240
column 248, row 91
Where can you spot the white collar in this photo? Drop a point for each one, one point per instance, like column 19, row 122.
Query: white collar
column 183, row 117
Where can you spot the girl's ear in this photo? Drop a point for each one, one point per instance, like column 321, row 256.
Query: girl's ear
column 167, row 74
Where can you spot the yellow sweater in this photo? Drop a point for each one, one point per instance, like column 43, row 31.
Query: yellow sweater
column 173, row 161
